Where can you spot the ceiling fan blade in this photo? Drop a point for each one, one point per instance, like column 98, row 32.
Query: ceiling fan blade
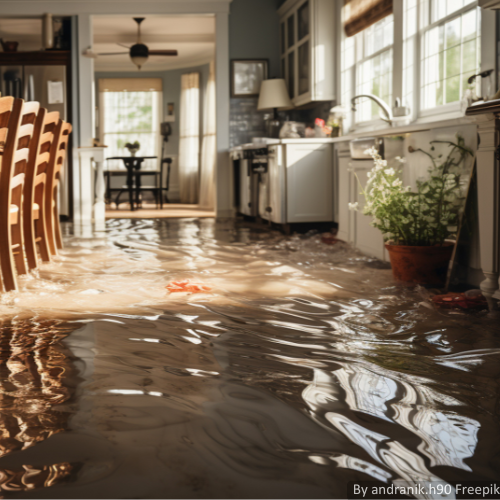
column 163, row 53
column 112, row 53
column 123, row 45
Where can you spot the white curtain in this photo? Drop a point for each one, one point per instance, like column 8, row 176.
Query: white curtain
column 208, row 149
column 189, row 143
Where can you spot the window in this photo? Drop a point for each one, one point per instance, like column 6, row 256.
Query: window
column 366, row 67
column 450, row 48
column 422, row 55
column 129, row 116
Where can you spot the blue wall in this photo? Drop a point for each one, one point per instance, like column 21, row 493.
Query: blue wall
column 254, row 32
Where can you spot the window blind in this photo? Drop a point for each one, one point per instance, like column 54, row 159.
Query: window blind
column 130, row 85
column 360, row 14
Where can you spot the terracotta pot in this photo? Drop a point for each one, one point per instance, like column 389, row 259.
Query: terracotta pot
column 422, row 265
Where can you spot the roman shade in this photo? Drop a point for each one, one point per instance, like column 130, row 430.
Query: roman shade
column 360, row 14
column 130, row 85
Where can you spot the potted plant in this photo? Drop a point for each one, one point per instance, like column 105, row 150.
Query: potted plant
column 133, row 147
column 418, row 224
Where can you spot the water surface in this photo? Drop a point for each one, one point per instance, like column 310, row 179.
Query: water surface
column 305, row 367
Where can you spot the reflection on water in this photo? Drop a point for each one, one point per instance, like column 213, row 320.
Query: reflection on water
column 304, row 368
column 34, row 371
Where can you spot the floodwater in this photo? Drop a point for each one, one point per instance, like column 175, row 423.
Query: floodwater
column 304, row 368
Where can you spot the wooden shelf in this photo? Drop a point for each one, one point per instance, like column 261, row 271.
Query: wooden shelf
column 38, row 58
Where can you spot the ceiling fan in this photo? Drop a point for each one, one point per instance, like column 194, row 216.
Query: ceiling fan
column 139, row 52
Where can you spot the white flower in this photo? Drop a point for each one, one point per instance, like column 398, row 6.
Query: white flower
column 372, row 152
column 354, row 206
column 389, row 171
column 401, row 160
column 397, row 183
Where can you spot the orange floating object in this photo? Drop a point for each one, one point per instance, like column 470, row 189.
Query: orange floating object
column 187, row 286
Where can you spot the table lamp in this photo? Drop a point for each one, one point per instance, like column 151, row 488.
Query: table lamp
column 274, row 95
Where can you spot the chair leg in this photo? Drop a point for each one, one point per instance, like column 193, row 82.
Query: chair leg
column 117, row 199
column 29, row 235
column 48, row 213
column 17, row 232
column 7, row 263
column 57, row 229
column 17, row 239
column 41, row 227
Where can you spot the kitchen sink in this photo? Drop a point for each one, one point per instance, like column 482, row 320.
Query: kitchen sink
column 387, row 147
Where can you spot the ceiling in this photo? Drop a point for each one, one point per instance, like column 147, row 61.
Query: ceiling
column 193, row 38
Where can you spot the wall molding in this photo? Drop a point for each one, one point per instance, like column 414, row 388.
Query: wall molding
column 112, row 7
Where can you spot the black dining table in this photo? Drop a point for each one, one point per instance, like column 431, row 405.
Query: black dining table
column 133, row 165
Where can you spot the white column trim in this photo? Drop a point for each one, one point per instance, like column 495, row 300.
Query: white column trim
column 85, row 81
column 224, row 202
column 488, row 188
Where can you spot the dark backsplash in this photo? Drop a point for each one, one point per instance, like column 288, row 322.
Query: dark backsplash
column 246, row 122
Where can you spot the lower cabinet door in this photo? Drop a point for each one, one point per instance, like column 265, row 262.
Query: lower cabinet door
column 364, row 236
column 309, row 173
column 344, row 195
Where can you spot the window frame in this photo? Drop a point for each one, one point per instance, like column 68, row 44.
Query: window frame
column 452, row 108
column 160, row 114
column 488, row 51
column 355, row 68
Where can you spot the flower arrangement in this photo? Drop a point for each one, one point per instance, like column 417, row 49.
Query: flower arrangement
column 133, row 147
column 427, row 216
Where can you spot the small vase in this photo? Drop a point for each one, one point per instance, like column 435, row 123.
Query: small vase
column 423, row 265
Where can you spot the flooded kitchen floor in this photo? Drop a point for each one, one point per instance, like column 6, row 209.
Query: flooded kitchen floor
column 303, row 368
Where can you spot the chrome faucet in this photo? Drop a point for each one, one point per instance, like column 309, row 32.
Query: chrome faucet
column 387, row 113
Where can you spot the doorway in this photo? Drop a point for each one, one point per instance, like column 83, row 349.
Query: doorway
column 163, row 114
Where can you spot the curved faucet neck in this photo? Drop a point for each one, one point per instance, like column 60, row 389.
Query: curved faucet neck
column 385, row 108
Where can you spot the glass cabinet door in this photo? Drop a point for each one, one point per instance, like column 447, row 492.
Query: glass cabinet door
column 304, row 73
column 303, row 21
column 282, row 38
column 291, row 74
column 291, row 30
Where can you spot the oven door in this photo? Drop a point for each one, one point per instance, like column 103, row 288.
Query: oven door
column 272, row 188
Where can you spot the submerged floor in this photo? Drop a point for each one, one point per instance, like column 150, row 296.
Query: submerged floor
column 304, row 368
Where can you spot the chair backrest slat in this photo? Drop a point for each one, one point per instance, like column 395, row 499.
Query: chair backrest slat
column 62, row 147
column 10, row 123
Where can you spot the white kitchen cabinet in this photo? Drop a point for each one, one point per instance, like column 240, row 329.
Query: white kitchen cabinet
column 354, row 227
column 308, row 39
column 309, row 169
column 298, row 186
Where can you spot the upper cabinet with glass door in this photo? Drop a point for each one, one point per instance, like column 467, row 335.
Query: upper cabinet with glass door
column 308, row 49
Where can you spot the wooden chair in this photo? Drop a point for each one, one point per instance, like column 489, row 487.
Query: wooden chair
column 56, row 164
column 18, row 117
column 35, row 188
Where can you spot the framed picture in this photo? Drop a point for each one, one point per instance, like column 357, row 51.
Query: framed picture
column 170, row 112
column 247, row 76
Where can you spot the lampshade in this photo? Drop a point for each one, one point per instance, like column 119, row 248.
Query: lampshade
column 273, row 94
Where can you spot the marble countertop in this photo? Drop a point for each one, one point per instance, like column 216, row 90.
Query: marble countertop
column 385, row 131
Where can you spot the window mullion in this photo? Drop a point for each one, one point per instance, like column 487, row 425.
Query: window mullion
column 418, row 63
column 397, row 53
